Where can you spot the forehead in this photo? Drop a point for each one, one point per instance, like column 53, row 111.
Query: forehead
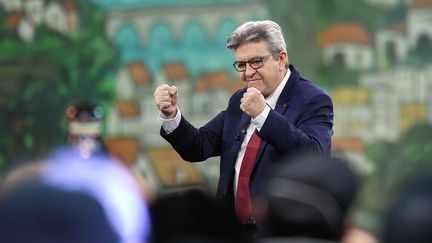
column 251, row 49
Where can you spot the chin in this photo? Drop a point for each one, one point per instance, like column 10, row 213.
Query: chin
column 253, row 86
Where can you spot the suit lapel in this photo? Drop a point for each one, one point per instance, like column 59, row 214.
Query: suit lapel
column 281, row 106
column 239, row 138
column 287, row 92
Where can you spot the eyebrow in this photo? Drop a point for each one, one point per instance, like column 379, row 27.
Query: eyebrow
column 252, row 58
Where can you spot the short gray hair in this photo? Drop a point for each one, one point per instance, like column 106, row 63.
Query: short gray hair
column 255, row 31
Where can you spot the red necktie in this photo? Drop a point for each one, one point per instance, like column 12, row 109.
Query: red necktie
column 243, row 205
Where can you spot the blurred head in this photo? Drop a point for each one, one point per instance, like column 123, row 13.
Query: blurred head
column 69, row 199
column 37, row 212
column 84, row 124
column 260, row 54
column 110, row 183
column 409, row 217
column 193, row 216
column 84, row 119
column 309, row 197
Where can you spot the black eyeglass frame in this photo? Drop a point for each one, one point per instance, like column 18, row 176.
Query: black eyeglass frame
column 255, row 63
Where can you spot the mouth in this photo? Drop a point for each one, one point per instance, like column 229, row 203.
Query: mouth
column 253, row 83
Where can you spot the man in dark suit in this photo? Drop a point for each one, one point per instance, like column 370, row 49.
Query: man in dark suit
column 288, row 113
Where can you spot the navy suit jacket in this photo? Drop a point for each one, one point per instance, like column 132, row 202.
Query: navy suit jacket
column 302, row 121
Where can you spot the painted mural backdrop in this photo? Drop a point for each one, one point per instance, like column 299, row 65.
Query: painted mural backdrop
column 374, row 57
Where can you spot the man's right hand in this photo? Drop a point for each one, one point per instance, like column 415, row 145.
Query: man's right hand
column 166, row 100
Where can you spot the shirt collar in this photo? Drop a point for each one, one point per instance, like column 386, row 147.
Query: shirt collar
column 273, row 98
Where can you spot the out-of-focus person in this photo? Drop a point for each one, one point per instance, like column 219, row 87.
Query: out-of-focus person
column 193, row 216
column 37, row 212
column 306, row 199
column 84, row 128
column 84, row 134
column 105, row 180
column 409, row 216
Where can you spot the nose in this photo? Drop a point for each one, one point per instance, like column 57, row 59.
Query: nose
column 249, row 72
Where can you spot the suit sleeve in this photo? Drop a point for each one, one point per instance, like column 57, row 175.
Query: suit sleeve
column 311, row 131
column 198, row 144
column 194, row 144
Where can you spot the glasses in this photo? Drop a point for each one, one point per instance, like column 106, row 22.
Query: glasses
column 254, row 63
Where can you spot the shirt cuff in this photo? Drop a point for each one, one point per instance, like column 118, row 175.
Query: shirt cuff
column 169, row 125
column 258, row 121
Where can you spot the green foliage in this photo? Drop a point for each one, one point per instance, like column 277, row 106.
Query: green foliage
column 304, row 21
column 48, row 74
column 379, row 151
column 336, row 76
column 298, row 20
column 395, row 163
column 333, row 11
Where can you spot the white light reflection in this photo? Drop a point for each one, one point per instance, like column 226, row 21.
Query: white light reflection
column 110, row 183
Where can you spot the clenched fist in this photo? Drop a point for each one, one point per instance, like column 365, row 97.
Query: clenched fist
column 253, row 102
column 166, row 100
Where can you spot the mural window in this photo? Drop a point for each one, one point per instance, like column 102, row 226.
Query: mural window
column 339, row 60
column 160, row 37
column 127, row 37
column 194, row 34
column 226, row 27
column 390, row 53
column 424, row 43
column 424, row 47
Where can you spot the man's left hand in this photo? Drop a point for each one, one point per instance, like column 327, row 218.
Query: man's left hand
column 253, row 102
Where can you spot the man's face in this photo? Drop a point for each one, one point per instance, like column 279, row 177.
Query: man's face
column 266, row 78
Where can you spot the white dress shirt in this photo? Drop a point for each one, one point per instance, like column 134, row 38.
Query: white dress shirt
column 257, row 123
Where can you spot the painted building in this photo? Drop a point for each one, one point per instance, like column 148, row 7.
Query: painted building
column 12, row 5
column 350, row 46
column 352, row 111
column 384, row 106
column 347, row 45
column 400, row 99
column 411, row 30
column 25, row 16
column 391, row 45
column 34, row 10
column 391, row 97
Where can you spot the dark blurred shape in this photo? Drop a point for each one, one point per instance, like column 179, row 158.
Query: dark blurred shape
column 409, row 217
column 110, row 182
column 28, row 192
column 193, row 216
column 37, row 212
column 84, row 111
column 307, row 197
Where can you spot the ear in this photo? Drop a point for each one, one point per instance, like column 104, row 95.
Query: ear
column 283, row 57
